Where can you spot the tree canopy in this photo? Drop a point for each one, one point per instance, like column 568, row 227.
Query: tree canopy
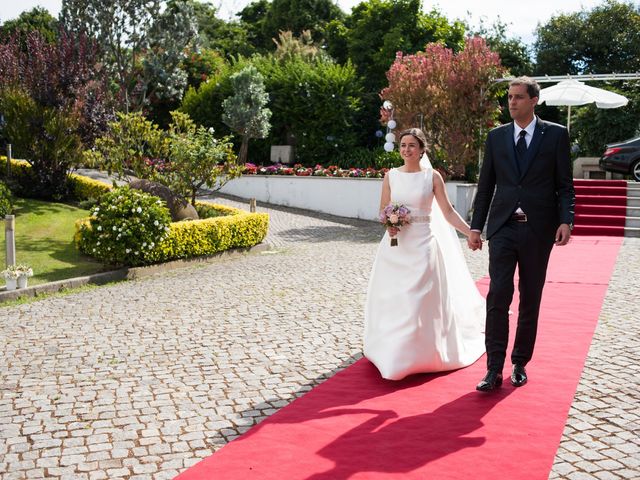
column 602, row 40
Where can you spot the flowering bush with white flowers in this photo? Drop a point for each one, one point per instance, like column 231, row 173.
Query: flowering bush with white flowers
column 125, row 227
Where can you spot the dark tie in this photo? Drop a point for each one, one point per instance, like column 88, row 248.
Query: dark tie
column 521, row 146
column 521, row 150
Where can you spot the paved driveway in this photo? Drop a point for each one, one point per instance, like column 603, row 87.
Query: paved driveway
column 142, row 379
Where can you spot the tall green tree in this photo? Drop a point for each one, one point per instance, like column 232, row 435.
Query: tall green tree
column 515, row 55
column 252, row 18
column 265, row 20
column 245, row 112
column 38, row 19
column 229, row 38
column 602, row 40
column 377, row 29
column 297, row 16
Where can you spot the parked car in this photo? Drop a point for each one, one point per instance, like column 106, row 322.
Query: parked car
column 623, row 157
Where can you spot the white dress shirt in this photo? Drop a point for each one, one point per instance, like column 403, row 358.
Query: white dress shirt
column 527, row 138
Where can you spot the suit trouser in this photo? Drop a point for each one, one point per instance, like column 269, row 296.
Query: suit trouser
column 514, row 244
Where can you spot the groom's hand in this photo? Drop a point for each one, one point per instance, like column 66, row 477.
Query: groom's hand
column 474, row 242
column 563, row 234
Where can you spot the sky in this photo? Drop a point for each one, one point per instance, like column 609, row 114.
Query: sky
column 521, row 19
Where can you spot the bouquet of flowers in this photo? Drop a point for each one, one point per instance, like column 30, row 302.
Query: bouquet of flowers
column 397, row 216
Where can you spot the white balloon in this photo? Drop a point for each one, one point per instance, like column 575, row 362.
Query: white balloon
column 392, row 124
column 390, row 137
column 388, row 147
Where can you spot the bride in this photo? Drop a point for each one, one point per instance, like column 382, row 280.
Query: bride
column 423, row 312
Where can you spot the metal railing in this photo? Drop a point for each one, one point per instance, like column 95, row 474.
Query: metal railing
column 587, row 77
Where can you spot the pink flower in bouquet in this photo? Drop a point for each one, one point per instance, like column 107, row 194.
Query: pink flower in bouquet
column 394, row 215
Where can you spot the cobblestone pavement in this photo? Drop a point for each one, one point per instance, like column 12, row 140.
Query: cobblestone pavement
column 140, row 380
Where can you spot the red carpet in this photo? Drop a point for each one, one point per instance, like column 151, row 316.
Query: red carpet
column 435, row 426
column 601, row 207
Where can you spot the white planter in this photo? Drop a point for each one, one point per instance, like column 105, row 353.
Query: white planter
column 345, row 197
column 10, row 283
column 22, row 281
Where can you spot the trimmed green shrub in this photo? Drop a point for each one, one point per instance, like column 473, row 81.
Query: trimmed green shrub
column 6, row 200
column 239, row 229
column 125, row 227
column 85, row 188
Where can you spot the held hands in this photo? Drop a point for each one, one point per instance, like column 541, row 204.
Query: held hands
column 393, row 231
column 474, row 241
column 563, row 234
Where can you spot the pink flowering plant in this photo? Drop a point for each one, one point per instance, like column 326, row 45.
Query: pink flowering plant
column 395, row 216
column 317, row 171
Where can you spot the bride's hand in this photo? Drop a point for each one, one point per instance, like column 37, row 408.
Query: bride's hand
column 393, row 231
column 474, row 241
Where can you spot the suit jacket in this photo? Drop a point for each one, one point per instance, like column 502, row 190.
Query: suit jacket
column 543, row 188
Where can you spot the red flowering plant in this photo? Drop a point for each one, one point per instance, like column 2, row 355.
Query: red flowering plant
column 249, row 169
column 301, row 170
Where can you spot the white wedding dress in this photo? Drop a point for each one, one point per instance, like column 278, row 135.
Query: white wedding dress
column 423, row 312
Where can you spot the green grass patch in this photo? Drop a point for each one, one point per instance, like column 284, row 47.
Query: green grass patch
column 44, row 241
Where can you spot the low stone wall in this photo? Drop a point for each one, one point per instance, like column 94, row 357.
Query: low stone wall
column 345, row 197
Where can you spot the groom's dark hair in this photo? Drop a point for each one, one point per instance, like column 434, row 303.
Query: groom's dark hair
column 417, row 133
column 533, row 88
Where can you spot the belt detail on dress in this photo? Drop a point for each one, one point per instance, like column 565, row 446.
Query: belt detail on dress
column 420, row 218
column 519, row 217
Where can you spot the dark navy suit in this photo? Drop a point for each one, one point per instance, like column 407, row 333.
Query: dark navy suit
column 540, row 183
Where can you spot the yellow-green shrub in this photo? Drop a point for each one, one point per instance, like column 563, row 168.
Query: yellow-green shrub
column 19, row 168
column 84, row 188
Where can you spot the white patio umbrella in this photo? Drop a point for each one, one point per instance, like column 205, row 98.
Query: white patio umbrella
column 572, row 93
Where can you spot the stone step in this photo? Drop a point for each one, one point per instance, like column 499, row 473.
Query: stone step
column 632, row 232
column 633, row 222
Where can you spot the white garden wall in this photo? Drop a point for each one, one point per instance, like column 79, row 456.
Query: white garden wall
column 345, row 197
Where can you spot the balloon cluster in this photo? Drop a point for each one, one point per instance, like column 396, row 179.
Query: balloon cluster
column 391, row 124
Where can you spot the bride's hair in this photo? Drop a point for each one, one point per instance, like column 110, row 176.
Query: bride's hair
column 417, row 133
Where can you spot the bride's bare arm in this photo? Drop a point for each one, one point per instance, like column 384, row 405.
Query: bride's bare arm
column 385, row 199
column 450, row 215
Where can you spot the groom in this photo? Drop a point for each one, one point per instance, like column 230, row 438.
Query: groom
column 527, row 163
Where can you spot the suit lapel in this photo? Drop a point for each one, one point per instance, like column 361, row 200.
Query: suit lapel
column 534, row 146
column 510, row 148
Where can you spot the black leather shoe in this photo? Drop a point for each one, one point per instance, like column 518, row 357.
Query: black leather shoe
column 491, row 381
column 518, row 376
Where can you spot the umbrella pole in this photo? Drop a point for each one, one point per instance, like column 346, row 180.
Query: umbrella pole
column 569, row 118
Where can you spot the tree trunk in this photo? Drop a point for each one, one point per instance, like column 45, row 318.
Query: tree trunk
column 244, row 148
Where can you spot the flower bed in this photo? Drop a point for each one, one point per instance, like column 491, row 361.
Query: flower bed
column 317, row 171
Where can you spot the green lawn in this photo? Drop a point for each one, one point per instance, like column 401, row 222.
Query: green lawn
column 44, row 241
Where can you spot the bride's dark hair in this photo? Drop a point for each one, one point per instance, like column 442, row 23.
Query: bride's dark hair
column 417, row 133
